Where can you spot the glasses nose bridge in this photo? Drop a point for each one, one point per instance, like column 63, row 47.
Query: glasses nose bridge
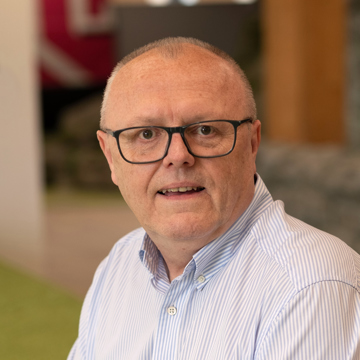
column 177, row 130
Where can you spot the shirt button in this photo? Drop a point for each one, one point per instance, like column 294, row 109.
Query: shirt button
column 201, row 278
column 172, row 310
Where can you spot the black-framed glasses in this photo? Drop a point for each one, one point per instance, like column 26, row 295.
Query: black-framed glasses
column 204, row 139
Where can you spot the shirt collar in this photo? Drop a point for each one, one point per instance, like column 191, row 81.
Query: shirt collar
column 209, row 260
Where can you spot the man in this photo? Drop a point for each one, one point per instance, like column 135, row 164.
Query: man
column 219, row 270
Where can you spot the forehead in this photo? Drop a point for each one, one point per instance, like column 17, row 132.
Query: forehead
column 153, row 81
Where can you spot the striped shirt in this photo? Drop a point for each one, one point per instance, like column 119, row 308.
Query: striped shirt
column 271, row 287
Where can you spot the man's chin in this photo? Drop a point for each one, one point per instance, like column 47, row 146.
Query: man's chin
column 186, row 227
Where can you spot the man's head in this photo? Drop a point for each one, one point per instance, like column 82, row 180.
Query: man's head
column 172, row 47
column 172, row 83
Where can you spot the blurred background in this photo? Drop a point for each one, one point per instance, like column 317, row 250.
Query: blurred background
column 60, row 214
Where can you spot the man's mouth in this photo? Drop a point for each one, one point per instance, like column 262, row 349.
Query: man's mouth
column 181, row 190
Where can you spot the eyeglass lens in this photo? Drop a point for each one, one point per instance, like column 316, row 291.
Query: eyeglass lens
column 206, row 139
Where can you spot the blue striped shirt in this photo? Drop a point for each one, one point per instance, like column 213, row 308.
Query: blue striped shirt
column 271, row 288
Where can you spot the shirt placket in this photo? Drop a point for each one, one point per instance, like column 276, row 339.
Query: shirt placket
column 173, row 311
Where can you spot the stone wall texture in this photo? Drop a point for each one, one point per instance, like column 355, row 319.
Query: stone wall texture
column 318, row 184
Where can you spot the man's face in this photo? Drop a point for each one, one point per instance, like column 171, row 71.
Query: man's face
column 195, row 86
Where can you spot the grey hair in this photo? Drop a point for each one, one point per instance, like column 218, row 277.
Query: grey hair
column 171, row 47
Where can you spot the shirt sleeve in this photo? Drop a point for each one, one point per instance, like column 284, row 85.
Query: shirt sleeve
column 78, row 351
column 322, row 321
column 74, row 354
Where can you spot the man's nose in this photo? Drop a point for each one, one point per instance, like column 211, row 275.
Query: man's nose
column 178, row 153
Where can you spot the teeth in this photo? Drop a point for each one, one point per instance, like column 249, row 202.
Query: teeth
column 183, row 189
column 179, row 189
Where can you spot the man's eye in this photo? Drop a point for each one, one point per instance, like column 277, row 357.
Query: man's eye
column 205, row 130
column 147, row 134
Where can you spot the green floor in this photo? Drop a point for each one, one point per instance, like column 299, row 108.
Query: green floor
column 37, row 321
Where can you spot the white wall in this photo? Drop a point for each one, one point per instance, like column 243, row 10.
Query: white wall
column 21, row 208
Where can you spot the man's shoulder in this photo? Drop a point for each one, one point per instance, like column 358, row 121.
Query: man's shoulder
column 126, row 247
column 132, row 238
column 123, row 256
column 308, row 255
column 131, row 242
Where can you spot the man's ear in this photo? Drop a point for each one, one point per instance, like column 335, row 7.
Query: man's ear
column 255, row 139
column 103, row 139
column 256, row 136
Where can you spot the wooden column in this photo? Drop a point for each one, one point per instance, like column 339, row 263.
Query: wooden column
column 304, row 70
